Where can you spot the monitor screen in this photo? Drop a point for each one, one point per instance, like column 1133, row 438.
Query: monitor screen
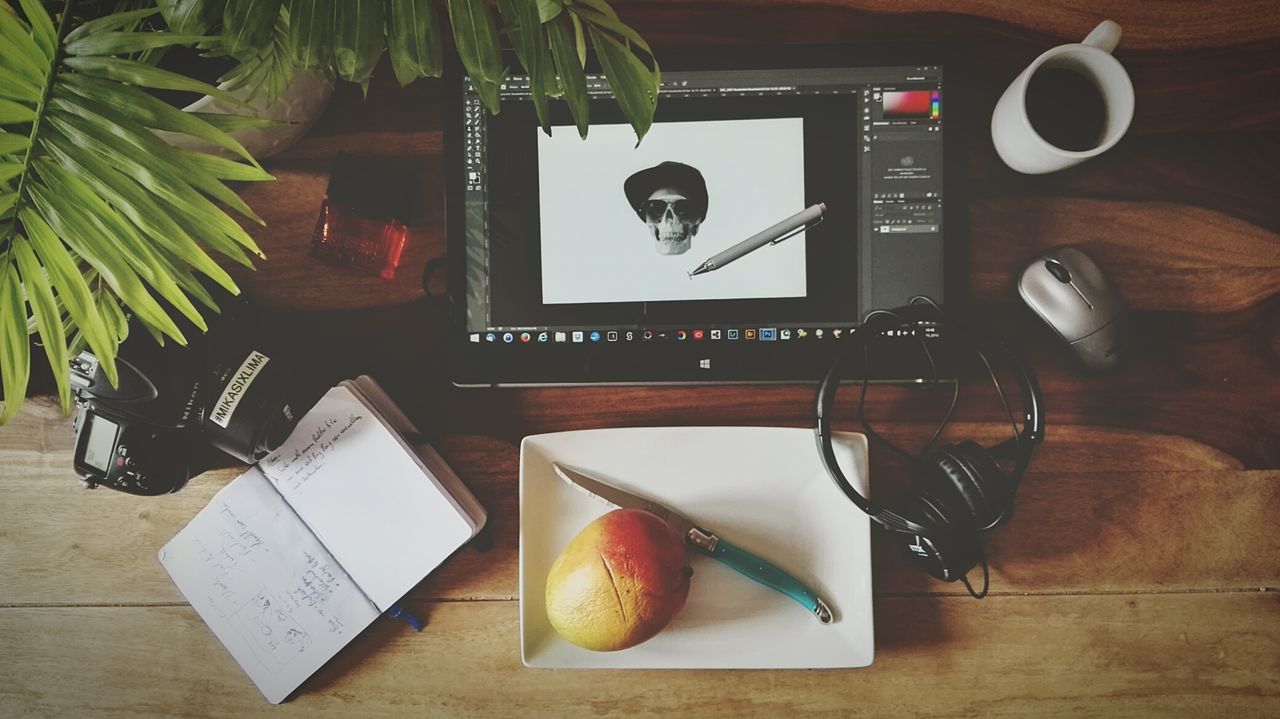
column 764, row 205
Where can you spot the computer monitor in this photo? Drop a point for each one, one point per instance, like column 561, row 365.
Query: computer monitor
column 577, row 260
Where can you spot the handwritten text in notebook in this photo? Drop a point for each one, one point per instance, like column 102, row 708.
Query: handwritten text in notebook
column 293, row 469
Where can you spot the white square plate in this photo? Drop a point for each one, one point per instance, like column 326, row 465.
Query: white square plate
column 761, row 488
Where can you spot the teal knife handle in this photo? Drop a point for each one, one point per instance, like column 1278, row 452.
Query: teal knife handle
column 753, row 567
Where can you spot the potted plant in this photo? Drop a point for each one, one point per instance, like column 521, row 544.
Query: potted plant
column 99, row 215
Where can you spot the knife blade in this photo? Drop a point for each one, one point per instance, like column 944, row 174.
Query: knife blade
column 701, row 539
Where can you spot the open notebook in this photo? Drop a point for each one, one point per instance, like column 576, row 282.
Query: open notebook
column 292, row 559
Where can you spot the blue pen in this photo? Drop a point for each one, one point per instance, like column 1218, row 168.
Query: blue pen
column 399, row 612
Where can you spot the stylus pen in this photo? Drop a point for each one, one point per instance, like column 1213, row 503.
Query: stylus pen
column 771, row 236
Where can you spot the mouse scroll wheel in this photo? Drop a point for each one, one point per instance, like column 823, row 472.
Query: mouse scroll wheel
column 1057, row 270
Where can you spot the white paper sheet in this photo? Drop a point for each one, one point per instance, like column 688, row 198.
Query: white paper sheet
column 356, row 485
column 275, row 598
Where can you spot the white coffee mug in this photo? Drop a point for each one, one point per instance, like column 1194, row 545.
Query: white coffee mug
column 1017, row 142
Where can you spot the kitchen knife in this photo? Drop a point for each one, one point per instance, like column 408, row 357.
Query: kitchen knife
column 705, row 541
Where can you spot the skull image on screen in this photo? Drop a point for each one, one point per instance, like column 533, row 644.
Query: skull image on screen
column 671, row 199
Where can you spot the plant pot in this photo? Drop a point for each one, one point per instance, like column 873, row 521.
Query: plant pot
column 296, row 110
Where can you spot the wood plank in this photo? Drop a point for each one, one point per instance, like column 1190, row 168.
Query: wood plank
column 1097, row 514
column 1158, row 255
column 1147, row 23
column 1215, row 654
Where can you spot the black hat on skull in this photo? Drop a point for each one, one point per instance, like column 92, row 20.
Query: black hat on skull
column 676, row 175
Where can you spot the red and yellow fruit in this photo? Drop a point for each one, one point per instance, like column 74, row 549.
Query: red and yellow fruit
column 619, row 582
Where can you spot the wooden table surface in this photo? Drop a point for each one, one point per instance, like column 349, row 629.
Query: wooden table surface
column 1138, row 577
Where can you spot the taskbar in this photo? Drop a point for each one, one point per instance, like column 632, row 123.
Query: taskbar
column 926, row 330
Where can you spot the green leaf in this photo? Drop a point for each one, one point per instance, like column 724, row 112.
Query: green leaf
column 414, row 40
column 47, row 315
column 579, row 39
column 225, row 169
column 98, row 219
column 311, row 33
column 15, row 347
column 525, row 29
column 233, row 123
column 117, row 322
column 359, row 38
column 20, row 49
column 600, row 6
column 549, row 9
column 267, row 73
column 609, row 21
column 629, row 79
column 42, row 29
column 247, row 25
column 572, row 79
column 191, row 16
column 137, row 73
column 7, row 201
column 16, row 87
column 138, row 205
column 195, row 213
column 10, row 170
column 11, row 143
column 12, row 112
column 157, row 152
column 72, row 290
column 82, row 230
column 108, row 22
column 123, row 43
column 476, row 36
column 151, row 111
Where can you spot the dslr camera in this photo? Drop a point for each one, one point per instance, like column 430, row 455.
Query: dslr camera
column 226, row 388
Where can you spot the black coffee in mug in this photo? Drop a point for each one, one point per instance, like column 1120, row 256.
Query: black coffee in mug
column 1066, row 109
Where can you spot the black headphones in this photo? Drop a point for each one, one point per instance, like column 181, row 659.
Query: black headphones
column 958, row 491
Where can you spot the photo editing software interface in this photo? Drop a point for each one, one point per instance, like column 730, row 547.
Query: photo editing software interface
column 762, row 205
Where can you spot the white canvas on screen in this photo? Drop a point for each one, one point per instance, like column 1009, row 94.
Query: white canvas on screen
column 596, row 249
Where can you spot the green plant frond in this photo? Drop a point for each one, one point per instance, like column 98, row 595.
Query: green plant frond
column 15, row 347
column 311, row 33
column 84, row 218
column 120, row 43
column 264, row 72
column 47, row 315
column 72, row 290
column 191, row 16
column 140, row 207
column 12, row 113
column 360, row 37
column 247, row 25
column 108, row 219
column 109, row 23
column 144, row 75
column 414, row 40
column 156, row 114
column 42, row 29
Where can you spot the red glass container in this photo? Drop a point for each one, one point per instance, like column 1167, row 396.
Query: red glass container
column 361, row 222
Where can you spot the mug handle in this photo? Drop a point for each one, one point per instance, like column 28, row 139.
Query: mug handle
column 1105, row 36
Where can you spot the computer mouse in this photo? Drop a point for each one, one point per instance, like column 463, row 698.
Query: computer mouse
column 1067, row 290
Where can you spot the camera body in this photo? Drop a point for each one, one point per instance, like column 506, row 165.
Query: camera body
column 226, row 388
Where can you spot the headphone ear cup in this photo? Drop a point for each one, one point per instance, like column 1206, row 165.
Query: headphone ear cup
column 951, row 549
column 967, row 472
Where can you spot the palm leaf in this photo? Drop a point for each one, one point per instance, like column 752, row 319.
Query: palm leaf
column 360, row 38
column 266, row 67
column 311, row 33
column 106, row 220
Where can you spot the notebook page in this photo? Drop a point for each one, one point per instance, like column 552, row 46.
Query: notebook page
column 271, row 593
column 373, row 396
column 353, row 482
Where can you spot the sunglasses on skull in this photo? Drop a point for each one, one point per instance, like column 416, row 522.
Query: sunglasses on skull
column 683, row 209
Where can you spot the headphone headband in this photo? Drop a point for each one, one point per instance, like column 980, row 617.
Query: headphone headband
column 923, row 310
